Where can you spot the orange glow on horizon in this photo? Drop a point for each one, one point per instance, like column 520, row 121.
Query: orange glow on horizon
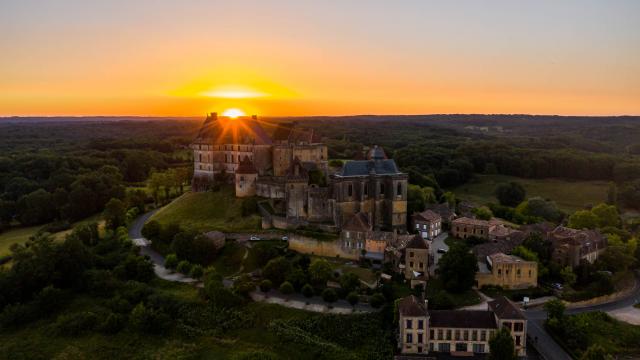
column 233, row 113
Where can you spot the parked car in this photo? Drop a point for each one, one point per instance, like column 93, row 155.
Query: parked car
column 285, row 238
column 254, row 238
column 557, row 286
column 442, row 251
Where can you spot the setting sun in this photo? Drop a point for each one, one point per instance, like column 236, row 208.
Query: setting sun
column 233, row 113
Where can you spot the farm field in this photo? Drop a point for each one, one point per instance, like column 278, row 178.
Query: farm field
column 569, row 195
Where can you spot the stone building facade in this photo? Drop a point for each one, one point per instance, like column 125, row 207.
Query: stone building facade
column 507, row 271
column 465, row 227
column 571, row 246
column 427, row 223
column 290, row 171
column 457, row 332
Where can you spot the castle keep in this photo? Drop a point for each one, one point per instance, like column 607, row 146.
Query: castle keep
column 290, row 169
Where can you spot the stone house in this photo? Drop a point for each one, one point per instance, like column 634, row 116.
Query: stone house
column 571, row 246
column 465, row 227
column 427, row 223
column 416, row 261
column 507, row 271
column 457, row 332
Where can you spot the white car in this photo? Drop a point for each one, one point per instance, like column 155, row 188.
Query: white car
column 285, row 238
column 254, row 238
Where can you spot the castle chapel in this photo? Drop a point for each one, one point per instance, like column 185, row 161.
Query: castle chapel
column 289, row 169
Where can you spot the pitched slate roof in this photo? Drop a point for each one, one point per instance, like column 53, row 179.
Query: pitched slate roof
column 369, row 167
column 417, row 242
column 411, row 306
column 246, row 167
column 470, row 319
column 427, row 215
column 505, row 309
column 376, row 153
column 358, row 222
column 223, row 130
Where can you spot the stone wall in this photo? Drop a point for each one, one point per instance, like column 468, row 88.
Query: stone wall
column 307, row 245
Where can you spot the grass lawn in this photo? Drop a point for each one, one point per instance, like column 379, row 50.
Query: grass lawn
column 569, row 195
column 208, row 211
column 20, row 235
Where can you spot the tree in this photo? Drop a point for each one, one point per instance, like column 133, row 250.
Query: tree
column 276, row 270
column 596, row 352
column 307, row 291
column 216, row 292
column 266, row 285
column 115, row 214
column 353, row 298
column 36, row 208
column 607, row 215
column 458, row 268
column 483, row 213
column 555, row 309
column 171, row 261
column 377, row 300
column 568, row 276
column 297, row 277
column 583, row 219
column 196, row 271
column 510, row 194
column 286, row 288
column 442, row 301
column 612, row 194
column 329, row 295
column 501, row 346
column 349, row 282
column 184, row 267
column 320, row 272
column 539, row 208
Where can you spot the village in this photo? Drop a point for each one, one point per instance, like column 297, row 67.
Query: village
column 359, row 208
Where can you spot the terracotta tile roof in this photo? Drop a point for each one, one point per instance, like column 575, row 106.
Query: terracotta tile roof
column 505, row 309
column 358, row 222
column 411, row 306
column 469, row 319
column 417, row 242
column 470, row 221
column 427, row 215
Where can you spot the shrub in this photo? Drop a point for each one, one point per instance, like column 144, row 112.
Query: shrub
column 307, row 290
column 184, row 267
column 148, row 320
column 329, row 295
column 151, row 230
column 112, row 324
column 75, row 323
column 377, row 300
column 249, row 206
column 266, row 285
column 442, row 301
column 196, row 271
column 171, row 261
column 353, row 298
column 276, row 270
column 286, row 288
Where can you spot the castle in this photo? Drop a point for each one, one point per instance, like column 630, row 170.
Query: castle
column 289, row 169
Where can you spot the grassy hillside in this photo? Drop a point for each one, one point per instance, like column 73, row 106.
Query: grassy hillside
column 569, row 195
column 207, row 211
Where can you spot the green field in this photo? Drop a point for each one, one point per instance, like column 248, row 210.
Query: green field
column 20, row 235
column 569, row 195
column 208, row 211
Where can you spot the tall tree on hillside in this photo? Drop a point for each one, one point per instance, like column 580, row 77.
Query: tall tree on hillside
column 115, row 214
column 510, row 194
column 458, row 268
column 501, row 346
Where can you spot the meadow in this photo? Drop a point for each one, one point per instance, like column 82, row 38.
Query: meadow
column 569, row 195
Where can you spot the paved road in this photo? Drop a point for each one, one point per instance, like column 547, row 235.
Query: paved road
column 547, row 347
column 438, row 243
column 297, row 301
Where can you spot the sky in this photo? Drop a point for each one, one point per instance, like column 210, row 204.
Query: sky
column 329, row 57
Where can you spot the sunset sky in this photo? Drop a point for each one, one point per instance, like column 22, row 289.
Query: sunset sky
column 297, row 57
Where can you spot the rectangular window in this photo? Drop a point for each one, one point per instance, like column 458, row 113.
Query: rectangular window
column 420, row 324
column 432, row 334
column 411, row 264
column 507, row 325
column 366, row 190
column 483, row 335
column 409, row 324
column 457, row 334
column 448, row 334
column 350, row 190
column 466, row 335
column 518, row 343
column 461, row 346
column 478, row 348
column 417, row 226
column 410, row 253
column 419, row 338
column 444, row 347
column 474, row 335
column 409, row 338
column 440, row 337
column 518, row 326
